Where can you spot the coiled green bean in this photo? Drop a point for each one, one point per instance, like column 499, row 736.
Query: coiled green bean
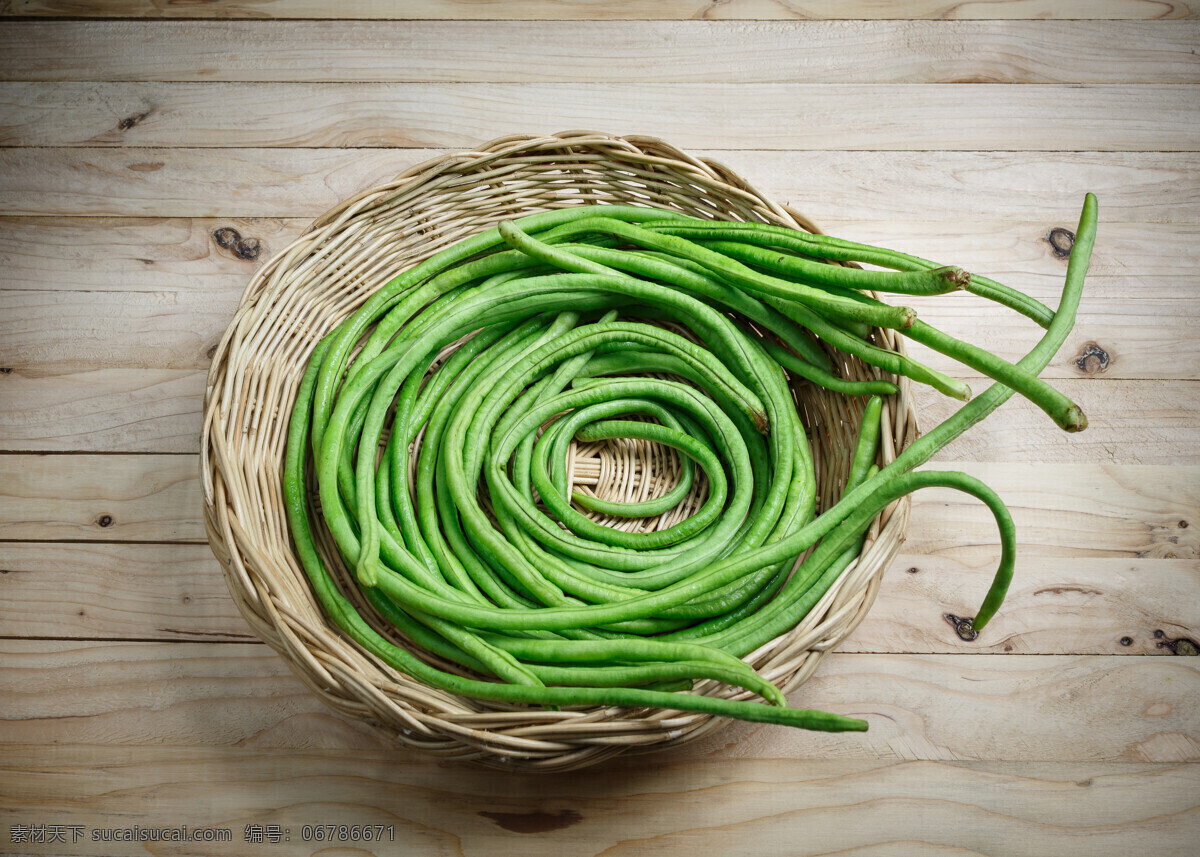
column 475, row 551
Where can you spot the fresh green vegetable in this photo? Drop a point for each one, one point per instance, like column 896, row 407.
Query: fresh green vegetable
column 476, row 552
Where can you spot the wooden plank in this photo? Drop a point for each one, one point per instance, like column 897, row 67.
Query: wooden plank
column 158, row 254
column 791, row 116
column 155, row 255
column 1020, row 252
column 159, row 410
column 1009, row 708
column 1054, row 606
column 160, row 266
column 100, row 498
column 117, row 591
column 204, row 183
column 1031, row 708
column 573, row 10
column 646, row 52
column 154, row 268
column 1064, row 510
column 1129, row 422
column 1145, row 334
column 634, row 805
column 627, row 807
column 926, row 186
column 171, row 592
column 1072, row 510
column 102, row 410
column 166, row 329
column 1136, row 332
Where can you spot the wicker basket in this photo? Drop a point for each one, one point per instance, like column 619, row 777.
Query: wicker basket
column 312, row 285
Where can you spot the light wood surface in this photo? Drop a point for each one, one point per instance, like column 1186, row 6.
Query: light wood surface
column 998, row 117
column 114, row 591
column 620, row 10
column 904, row 52
column 858, row 807
column 132, row 693
column 1049, row 707
column 927, row 185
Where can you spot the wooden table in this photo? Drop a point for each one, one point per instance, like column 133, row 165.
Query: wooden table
column 132, row 694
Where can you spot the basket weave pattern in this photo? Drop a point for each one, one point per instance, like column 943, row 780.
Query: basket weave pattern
column 353, row 250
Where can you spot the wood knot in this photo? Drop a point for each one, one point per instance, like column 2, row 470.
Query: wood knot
column 962, row 627
column 226, row 236
column 132, row 120
column 1061, row 241
column 105, row 521
column 246, row 248
column 1092, row 359
column 1178, row 646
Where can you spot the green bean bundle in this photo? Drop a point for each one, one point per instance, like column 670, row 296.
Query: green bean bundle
column 441, row 473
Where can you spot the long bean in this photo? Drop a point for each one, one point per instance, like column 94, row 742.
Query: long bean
column 474, row 550
column 828, row 247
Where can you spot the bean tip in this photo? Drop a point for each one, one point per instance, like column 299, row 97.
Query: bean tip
column 1075, row 420
column 367, row 576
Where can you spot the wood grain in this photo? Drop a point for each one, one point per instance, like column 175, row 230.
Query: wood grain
column 1130, row 422
column 594, row 10
column 1093, row 708
column 1059, row 52
column 1058, row 699
column 181, row 287
column 1065, row 510
column 155, row 254
column 1145, row 334
column 100, row 498
column 171, row 592
column 792, row 116
column 114, row 329
column 926, row 186
column 625, row 807
column 116, row 591
column 1054, row 606
column 101, row 410
column 1135, row 292
column 159, row 411
column 1061, row 510
column 133, row 693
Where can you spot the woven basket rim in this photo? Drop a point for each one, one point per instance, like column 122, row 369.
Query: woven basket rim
column 252, row 381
